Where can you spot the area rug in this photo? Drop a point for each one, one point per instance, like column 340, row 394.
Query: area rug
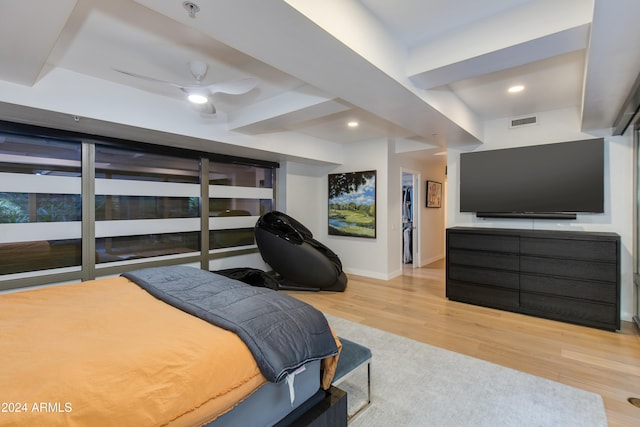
column 416, row 384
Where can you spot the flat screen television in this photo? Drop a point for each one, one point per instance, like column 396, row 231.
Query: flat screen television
column 544, row 181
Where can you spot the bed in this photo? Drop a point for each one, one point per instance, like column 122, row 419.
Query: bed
column 134, row 351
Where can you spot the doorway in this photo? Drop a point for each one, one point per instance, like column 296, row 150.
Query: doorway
column 410, row 218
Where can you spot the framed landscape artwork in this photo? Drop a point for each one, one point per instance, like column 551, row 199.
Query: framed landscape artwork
column 352, row 204
column 434, row 194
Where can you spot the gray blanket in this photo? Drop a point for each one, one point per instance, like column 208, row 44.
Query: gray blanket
column 282, row 333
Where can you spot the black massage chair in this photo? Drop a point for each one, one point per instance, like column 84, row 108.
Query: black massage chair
column 299, row 261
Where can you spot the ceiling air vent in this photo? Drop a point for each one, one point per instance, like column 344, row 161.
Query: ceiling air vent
column 523, row 121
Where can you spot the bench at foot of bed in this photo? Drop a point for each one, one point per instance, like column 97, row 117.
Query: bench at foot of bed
column 352, row 357
column 329, row 411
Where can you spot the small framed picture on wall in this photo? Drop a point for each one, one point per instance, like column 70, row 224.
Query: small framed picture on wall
column 434, row 194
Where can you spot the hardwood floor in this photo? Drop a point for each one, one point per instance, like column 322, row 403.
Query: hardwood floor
column 414, row 305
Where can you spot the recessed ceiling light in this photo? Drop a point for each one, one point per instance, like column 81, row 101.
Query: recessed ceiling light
column 516, row 88
column 353, row 124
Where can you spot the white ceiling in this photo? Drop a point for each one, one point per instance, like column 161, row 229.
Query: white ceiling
column 429, row 72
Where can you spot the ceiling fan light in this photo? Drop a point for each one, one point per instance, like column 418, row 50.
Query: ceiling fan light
column 197, row 98
column 516, row 89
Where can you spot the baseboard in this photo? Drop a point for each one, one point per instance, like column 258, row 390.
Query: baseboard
column 395, row 274
column 431, row 260
column 391, row 275
column 371, row 274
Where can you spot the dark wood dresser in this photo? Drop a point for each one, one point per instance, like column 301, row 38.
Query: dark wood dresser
column 570, row 276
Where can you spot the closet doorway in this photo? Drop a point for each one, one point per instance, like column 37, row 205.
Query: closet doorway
column 410, row 218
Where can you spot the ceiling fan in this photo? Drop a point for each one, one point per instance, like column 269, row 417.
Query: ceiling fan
column 201, row 95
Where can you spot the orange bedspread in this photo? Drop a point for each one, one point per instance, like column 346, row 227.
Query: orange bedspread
column 106, row 353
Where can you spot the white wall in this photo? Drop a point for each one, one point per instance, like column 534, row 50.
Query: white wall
column 307, row 201
column 303, row 195
column 394, row 213
column 559, row 126
column 364, row 256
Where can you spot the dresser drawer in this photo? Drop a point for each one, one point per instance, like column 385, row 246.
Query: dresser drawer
column 483, row 259
column 568, row 268
column 484, row 276
column 593, row 250
column 581, row 289
column 566, row 309
column 488, row 296
column 483, row 242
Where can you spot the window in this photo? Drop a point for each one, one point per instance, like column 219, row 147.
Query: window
column 40, row 204
column 72, row 208
column 238, row 196
column 147, row 205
